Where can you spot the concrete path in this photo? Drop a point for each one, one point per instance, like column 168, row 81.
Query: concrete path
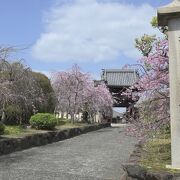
column 96, row 155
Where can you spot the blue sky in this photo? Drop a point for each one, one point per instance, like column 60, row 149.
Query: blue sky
column 95, row 34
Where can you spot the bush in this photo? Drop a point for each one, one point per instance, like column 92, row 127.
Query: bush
column 2, row 128
column 13, row 115
column 44, row 121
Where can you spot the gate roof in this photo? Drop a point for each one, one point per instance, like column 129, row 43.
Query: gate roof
column 119, row 77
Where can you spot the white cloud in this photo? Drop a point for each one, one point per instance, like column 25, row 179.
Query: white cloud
column 90, row 30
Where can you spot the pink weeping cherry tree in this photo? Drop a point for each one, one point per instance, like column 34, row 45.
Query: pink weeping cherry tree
column 153, row 90
column 75, row 92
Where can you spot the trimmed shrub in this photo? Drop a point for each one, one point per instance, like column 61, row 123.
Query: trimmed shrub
column 44, row 121
column 2, row 128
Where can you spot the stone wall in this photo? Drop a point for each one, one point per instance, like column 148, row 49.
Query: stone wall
column 133, row 170
column 9, row 145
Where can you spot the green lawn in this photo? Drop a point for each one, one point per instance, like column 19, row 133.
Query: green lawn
column 13, row 130
column 16, row 131
column 157, row 154
column 67, row 124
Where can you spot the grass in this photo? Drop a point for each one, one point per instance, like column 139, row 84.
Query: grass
column 62, row 121
column 18, row 131
column 64, row 124
column 13, row 130
column 157, row 154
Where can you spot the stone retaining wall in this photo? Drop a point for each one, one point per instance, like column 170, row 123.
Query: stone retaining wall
column 9, row 145
column 133, row 171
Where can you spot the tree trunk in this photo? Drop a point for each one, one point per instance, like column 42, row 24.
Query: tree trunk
column 72, row 118
column 3, row 114
column 62, row 115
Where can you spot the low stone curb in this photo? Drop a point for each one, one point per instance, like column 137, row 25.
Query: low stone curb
column 133, row 171
column 9, row 145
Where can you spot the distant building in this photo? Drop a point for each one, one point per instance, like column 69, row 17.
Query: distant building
column 118, row 80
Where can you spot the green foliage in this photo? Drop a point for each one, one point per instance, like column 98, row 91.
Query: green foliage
column 44, row 121
column 43, row 81
column 13, row 130
column 61, row 122
column 49, row 100
column 66, row 124
column 13, row 114
column 144, row 44
column 157, row 152
column 154, row 22
column 2, row 128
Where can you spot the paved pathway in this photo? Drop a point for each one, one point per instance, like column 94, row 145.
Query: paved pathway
column 96, row 155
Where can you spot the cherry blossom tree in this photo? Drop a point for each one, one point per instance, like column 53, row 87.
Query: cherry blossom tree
column 153, row 88
column 99, row 99
column 76, row 93
column 17, row 84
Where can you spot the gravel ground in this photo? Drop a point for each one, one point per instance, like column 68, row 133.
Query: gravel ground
column 96, row 155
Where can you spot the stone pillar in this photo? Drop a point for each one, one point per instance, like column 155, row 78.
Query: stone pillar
column 170, row 16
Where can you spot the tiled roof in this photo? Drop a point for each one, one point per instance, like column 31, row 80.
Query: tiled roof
column 119, row 77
